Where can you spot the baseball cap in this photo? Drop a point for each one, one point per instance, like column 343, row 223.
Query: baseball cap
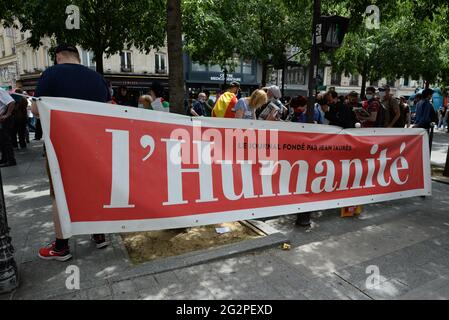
column 384, row 88
column 274, row 90
column 234, row 84
column 353, row 94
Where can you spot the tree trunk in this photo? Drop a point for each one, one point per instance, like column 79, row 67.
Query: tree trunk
column 99, row 61
column 264, row 72
column 427, row 84
column 175, row 61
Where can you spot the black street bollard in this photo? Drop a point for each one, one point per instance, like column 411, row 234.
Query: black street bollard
column 8, row 267
column 432, row 128
column 303, row 219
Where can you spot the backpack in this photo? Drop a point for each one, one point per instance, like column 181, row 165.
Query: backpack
column 401, row 121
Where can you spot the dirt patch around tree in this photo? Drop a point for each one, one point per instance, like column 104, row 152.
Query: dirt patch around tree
column 437, row 174
column 154, row 245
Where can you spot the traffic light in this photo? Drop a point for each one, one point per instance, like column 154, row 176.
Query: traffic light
column 333, row 31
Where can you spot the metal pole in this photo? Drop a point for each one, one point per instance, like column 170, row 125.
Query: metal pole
column 314, row 60
column 431, row 132
column 8, row 268
column 283, row 78
column 303, row 219
column 225, row 78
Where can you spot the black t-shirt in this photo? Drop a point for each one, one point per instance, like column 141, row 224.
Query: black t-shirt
column 73, row 81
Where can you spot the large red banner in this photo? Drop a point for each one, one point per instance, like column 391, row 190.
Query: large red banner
column 123, row 169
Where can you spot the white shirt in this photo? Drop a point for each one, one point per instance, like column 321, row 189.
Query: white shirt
column 5, row 99
column 158, row 106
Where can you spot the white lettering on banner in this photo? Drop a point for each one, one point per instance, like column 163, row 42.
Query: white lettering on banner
column 394, row 170
column 147, row 142
column 383, row 165
column 328, row 179
column 174, row 172
column 346, row 166
column 286, row 172
column 120, row 170
column 228, row 184
column 326, row 182
column 175, row 152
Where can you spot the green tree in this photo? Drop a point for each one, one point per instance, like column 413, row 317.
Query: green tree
column 217, row 31
column 107, row 26
column 403, row 45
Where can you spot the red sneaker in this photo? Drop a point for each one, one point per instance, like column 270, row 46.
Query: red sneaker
column 49, row 253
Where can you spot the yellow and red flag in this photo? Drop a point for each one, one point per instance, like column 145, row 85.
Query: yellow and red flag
column 224, row 106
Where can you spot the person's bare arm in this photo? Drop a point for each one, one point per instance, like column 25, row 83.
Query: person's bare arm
column 34, row 108
column 193, row 112
column 372, row 117
column 9, row 111
column 239, row 114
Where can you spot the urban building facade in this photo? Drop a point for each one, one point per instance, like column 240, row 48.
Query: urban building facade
column 8, row 58
column 21, row 65
column 199, row 77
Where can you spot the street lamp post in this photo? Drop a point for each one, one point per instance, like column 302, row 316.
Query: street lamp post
column 314, row 59
column 8, row 268
column 225, row 70
column 303, row 219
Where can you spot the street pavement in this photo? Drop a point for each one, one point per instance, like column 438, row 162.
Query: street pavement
column 439, row 148
column 407, row 241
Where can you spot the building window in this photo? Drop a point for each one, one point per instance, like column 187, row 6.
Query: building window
column 88, row 59
column 374, row 83
column 126, row 62
column 159, row 62
column 24, row 62
column 236, row 65
column 46, row 57
column 336, row 79
column 247, row 67
column 215, row 68
column 302, row 76
column 36, row 60
column 354, row 80
column 406, row 82
column 197, row 67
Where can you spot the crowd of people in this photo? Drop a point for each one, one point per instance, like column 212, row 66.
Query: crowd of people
column 69, row 79
column 379, row 108
column 17, row 122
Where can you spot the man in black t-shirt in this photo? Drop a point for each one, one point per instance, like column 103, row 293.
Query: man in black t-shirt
column 69, row 79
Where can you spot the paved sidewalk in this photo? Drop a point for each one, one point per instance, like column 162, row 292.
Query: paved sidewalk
column 439, row 147
column 407, row 240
